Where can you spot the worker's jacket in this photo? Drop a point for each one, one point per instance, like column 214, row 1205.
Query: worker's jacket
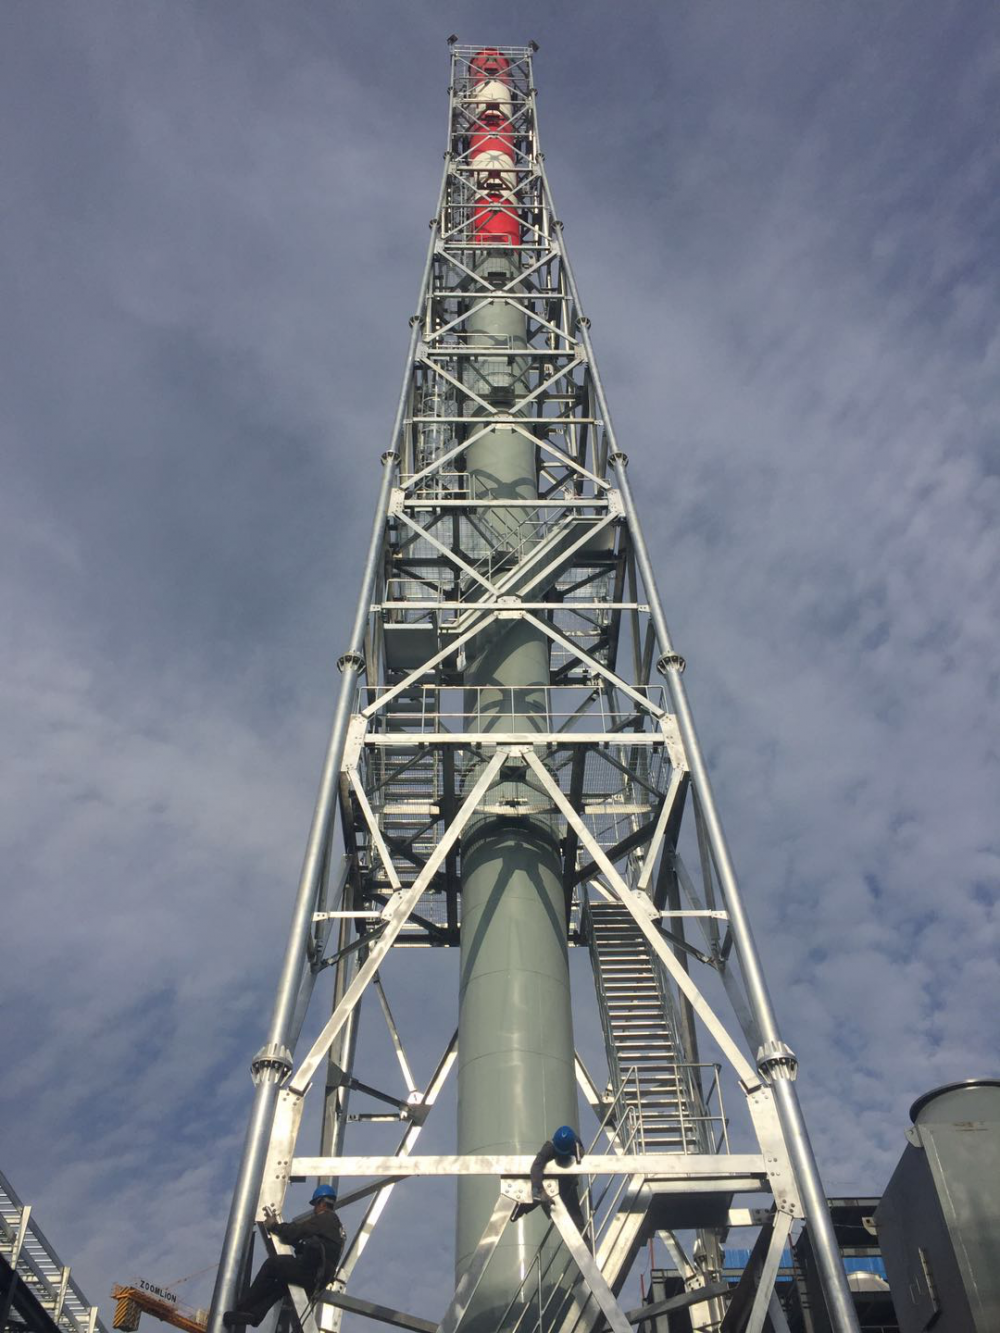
column 319, row 1239
column 567, row 1185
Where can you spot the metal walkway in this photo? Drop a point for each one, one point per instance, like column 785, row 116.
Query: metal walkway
column 31, row 1261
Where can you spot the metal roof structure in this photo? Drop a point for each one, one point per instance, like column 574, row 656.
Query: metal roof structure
column 37, row 1290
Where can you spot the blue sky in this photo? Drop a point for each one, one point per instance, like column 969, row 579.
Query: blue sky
column 783, row 219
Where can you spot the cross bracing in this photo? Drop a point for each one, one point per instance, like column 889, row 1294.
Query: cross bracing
column 506, row 532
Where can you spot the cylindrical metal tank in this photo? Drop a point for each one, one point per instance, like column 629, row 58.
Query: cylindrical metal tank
column 939, row 1219
column 974, row 1100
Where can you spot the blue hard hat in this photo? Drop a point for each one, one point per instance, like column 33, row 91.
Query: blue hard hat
column 323, row 1192
column 564, row 1140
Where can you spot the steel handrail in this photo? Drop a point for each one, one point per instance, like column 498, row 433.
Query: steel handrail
column 557, row 1286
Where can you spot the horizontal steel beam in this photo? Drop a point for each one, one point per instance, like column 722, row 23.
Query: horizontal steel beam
column 491, row 353
column 500, row 419
column 409, row 604
column 384, row 1314
column 473, row 502
column 674, row 1166
column 693, row 1297
column 490, row 740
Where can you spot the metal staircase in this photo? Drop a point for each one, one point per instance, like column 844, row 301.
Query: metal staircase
column 654, row 1105
column 552, row 1297
column 639, row 1034
column 28, row 1260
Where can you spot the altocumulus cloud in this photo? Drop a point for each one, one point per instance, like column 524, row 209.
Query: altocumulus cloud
column 781, row 228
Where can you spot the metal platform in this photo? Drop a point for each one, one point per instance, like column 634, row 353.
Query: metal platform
column 37, row 1290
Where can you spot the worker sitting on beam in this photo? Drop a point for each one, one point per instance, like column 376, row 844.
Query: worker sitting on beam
column 563, row 1148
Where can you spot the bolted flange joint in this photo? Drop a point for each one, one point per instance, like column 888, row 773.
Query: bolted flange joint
column 618, row 457
column 390, row 455
column 350, row 659
column 671, row 662
column 776, row 1060
column 583, row 321
column 271, row 1064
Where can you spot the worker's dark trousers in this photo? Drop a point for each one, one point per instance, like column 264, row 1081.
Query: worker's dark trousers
column 271, row 1283
column 571, row 1202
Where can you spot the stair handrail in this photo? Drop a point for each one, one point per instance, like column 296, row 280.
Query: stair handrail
column 557, row 1286
column 691, row 1095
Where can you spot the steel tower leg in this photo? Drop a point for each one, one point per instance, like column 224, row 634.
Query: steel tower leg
column 274, row 1061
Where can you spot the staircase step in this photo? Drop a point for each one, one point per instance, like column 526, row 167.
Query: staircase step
column 643, row 1048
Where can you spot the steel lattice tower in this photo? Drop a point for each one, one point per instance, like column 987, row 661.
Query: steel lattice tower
column 508, row 778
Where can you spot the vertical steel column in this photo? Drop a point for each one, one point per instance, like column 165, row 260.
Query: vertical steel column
column 774, row 1059
column 273, row 1062
column 340, row 1058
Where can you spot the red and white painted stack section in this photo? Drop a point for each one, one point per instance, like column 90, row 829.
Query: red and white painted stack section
column 491, row 152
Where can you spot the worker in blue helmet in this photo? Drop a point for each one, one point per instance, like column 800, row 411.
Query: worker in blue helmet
column 318, row 1240
column 563, row 1148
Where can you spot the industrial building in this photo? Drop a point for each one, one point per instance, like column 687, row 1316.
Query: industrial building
column 939, row 1219
column 797, row 1283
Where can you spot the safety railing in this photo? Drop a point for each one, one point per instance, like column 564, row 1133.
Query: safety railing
column 484, row 708
column 700, row 1129
column 410, row 785
column 540, row 1301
